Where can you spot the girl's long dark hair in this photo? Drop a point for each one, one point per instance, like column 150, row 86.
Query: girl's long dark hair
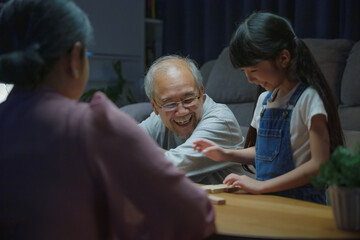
column 262, row 36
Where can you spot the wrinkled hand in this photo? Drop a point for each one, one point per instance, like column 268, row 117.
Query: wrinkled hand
column 209, row 149
column 244, row 182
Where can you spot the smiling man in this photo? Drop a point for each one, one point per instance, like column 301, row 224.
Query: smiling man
column 183, row 113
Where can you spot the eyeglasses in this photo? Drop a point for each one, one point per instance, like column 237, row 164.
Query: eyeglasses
column 187, row 102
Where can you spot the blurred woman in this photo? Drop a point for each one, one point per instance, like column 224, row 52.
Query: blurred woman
column 71, row 170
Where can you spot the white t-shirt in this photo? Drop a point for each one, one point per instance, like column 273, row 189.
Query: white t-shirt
column 308, row 105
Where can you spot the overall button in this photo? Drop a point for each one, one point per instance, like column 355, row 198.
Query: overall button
column 285, row 114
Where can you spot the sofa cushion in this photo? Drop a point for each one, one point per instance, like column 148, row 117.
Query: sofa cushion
column 349, row 117
column 331, row 55
column 206, row 69
column 227, row 84
column 351, row 79
column 243, row 112
column 352, row 139
column 138, row 111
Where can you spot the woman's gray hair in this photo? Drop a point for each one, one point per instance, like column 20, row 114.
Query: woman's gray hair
column 34, row 34
column 149, row 78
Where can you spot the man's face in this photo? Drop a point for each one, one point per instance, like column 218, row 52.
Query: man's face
column 173, row 85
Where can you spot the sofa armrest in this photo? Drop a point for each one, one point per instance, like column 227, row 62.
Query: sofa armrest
column 352, row 139
column 138, row 111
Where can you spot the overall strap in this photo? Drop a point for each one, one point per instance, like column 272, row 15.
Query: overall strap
column 294, row 98
column 296, row 95
column 291, row 104
column 267, row 97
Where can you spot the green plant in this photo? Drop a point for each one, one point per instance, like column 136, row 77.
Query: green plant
column 119, row 93
column 343, row 169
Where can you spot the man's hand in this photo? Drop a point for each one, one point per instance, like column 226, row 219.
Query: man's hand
column 209, row 149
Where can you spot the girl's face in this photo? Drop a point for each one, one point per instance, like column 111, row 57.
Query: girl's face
column 266, row 75
column 269, row 74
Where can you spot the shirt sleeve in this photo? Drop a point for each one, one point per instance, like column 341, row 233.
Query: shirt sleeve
column 311, row 105
column 220, row 127
column 148, row 123
column 259, row 106
column 131, row 166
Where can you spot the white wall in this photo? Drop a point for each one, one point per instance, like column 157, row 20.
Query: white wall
column 119, row 28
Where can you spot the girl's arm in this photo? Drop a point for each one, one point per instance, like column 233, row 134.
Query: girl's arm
column 320, row 153
column 217, row 153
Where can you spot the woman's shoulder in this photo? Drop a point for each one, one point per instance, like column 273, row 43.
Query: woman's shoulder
column 101, row 105
column 103, row 110
column 104, row 120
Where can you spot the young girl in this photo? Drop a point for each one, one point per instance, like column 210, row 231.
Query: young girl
column 296, row 120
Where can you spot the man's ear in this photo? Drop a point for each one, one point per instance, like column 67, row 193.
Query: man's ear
column 154, row 107
column 201, row 90
column 284, row 58
column 76, row 59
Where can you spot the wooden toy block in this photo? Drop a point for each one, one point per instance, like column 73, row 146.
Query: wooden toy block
column 217, row 200
column 218, row 188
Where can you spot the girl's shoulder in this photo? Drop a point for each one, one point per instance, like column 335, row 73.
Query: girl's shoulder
column 309, row 94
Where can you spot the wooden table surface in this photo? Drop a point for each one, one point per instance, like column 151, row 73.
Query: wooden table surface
column 267, row 216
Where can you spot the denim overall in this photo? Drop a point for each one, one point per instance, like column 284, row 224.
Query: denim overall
column 274, row 156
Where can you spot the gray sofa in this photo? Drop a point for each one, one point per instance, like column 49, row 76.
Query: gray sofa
column 339, row 60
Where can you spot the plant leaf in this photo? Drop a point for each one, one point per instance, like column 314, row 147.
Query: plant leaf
column 343, row 169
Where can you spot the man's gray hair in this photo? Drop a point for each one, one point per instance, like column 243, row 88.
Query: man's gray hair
column 149, row 78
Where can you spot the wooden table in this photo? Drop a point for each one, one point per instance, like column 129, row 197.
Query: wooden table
column 267, row 216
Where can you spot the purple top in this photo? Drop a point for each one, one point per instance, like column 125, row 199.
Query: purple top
column 71, row 170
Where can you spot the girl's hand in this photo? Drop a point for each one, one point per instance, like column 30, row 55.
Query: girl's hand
column 209, row 149
column 244, row 182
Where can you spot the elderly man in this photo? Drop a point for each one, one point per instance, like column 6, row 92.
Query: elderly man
column 183, row 113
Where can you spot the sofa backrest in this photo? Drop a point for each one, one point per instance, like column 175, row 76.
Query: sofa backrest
column 350, row 87
column 225, row 84
column 331, row 55
column 228, row 85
